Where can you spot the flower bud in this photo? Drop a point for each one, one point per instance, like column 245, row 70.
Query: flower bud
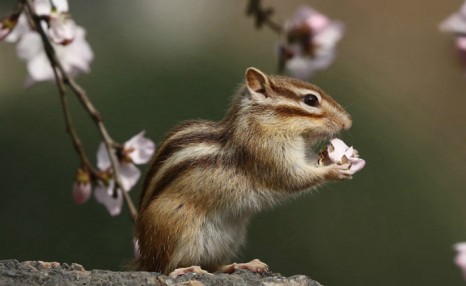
column 82, row 186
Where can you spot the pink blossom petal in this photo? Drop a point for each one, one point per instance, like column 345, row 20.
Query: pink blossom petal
column 19, row 30
column 142, row 148
column 75, row 57
column 103, row 194
column 311, row 46
column 39, row 68
column 349, row 152
column 357, row 164
column 338, row 150
column 61, row 5
column 455, row 23
column 461, row 43
column 317, row 22
column 62, row 30
column 339, row 153
column 42, row 7
column 81, row 192
column 304, row 67
column 329, row 37
column 129, row 175
column 103, row 160
column 29, row 46
column 460, row 258
column 303, row 14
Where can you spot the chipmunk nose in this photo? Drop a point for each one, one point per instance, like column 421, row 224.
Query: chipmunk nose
column 346, row 123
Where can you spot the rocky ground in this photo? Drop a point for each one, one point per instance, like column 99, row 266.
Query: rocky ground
column 13, row 272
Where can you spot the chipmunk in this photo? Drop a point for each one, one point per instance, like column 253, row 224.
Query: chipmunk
column 208, row 178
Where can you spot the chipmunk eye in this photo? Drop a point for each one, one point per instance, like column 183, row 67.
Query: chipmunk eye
column 311, row 100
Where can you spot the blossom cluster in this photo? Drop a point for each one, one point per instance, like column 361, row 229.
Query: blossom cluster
column 309, row 44
column 456, row 24
column 137, row 150
column 67, row 38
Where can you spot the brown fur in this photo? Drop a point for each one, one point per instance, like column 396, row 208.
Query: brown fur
column 208, row 178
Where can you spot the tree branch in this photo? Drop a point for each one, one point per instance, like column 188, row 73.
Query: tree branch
column 61, row 78
column 262, row 16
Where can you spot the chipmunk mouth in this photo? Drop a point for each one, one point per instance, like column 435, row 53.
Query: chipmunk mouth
column 315, row 143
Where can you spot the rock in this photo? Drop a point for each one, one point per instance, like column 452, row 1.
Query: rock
column 13, row 272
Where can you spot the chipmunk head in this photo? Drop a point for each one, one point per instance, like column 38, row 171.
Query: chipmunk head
column 293, row 106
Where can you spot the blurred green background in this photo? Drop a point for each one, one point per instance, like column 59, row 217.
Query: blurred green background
column 160, row 62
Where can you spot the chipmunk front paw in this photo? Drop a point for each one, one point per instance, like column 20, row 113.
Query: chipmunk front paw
column 339, row 172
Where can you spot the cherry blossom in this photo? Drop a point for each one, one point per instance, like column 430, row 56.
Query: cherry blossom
column 59, row 27
column 75, row 57
column 103, row 193
column 456, row 22
column 67, row 38
column 137, row 150
column 460, row 259
column 62, row 29
column 340, row 153
column 20, row 28
column 47, row 7
column 311, row 38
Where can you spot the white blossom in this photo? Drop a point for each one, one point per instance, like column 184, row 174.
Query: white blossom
column 311, row 38
column 62, row 29
column 47, row 7
column 456, row 22
column 460, row 259
column 340, row 153
column 137, row 150
column 13, row 27
column 59, row 27
column 75, row 57
column 103, row 193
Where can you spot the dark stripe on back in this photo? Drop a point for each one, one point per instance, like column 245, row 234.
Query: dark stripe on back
column 179, row 170
column 170, row 147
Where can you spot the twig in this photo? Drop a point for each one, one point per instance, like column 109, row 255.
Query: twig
column 63, row 78
column 262, row 16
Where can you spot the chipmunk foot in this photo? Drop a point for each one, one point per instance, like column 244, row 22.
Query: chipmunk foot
column 255, row 266
column 191, row 269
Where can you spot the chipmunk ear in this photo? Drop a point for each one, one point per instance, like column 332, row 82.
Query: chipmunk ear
column 256, row 81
